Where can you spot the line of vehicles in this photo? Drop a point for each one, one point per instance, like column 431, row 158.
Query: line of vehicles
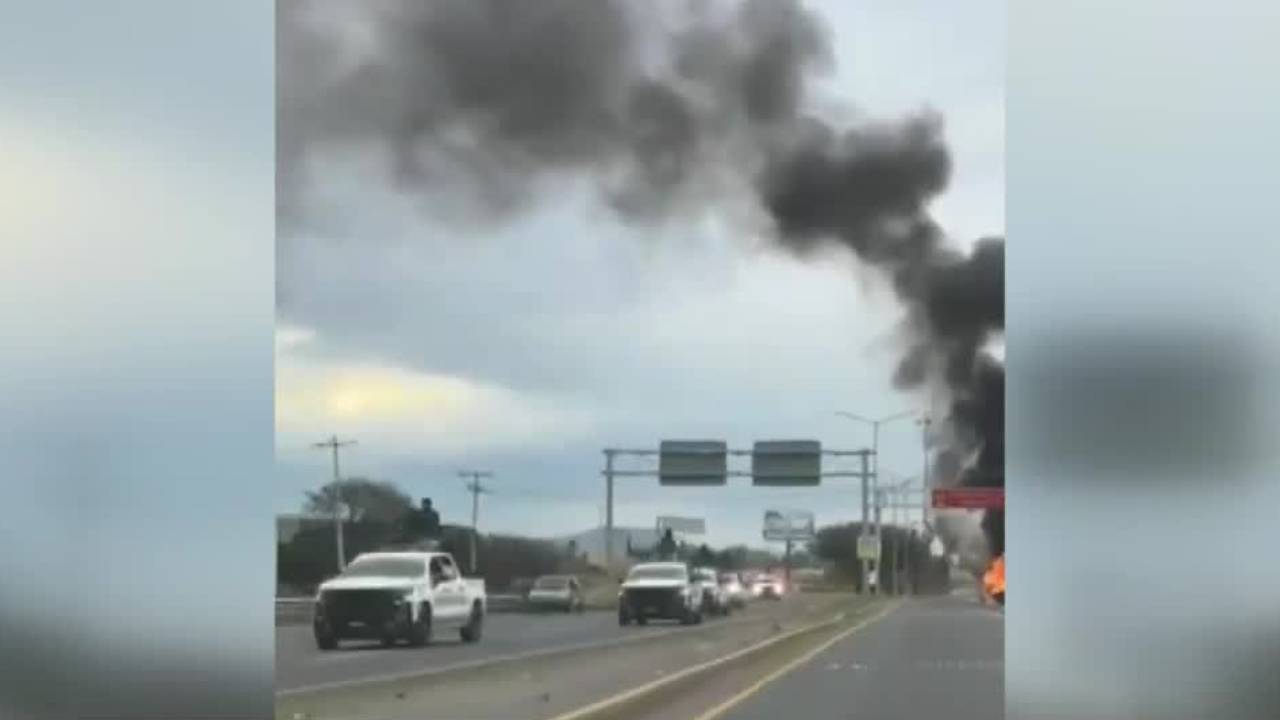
column 676, row 591
column 412, row 596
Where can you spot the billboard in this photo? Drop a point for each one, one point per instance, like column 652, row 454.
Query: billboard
column 795, row 525
column 686, row 525
column 786, row 462
column 693, row 462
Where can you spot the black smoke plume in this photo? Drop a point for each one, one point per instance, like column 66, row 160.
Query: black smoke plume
column 671, row 107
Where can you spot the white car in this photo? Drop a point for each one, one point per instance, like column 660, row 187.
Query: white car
column 768, row 586
column 735, row 589
column 392, row 596
column 660, row 590
column 714, row 599
column 556, row 592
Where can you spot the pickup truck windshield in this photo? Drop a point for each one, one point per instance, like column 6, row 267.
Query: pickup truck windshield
column 385, row 567
column 657, row 573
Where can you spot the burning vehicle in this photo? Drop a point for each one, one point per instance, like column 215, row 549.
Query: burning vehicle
column 993, row 580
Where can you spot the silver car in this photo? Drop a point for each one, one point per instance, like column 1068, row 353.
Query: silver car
column 556, row 592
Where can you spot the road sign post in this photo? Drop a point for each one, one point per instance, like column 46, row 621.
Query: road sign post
column 705, row 463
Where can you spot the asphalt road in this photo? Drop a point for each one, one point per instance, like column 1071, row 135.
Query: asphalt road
column 937, row 657
column 299, row 664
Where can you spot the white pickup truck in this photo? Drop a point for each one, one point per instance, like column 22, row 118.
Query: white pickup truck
column 660, row 590
column 393, row 596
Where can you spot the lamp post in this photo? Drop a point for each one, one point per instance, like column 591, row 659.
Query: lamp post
column 875, row 449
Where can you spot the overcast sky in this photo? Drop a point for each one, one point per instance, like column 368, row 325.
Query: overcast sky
column 525, row 348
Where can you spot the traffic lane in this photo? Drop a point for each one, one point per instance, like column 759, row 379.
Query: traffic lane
column 554, row 683
column 300, row 664
column 931, row 657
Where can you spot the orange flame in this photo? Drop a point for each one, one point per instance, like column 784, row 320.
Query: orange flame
column 993, row 579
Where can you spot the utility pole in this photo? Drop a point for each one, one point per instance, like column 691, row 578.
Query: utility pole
column 862, row 530
column 476, row 489
column 900, row 533
column 333, row 443
column 876, row 495
column 892, row 498
column 879, row 506
column 786, row 566
column 924, row 423
column 608, row 510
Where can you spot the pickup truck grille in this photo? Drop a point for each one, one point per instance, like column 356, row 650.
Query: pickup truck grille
column 659, row 600
column 372, row 607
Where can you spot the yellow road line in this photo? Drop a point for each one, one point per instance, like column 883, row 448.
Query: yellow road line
column 719, row 710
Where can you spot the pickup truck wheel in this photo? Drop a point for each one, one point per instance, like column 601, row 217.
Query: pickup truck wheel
column 325, row 639
column 475, row 625
column 623, row 618
column 420, row 631
column 642, row 620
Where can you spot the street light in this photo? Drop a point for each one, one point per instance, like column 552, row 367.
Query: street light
column 875, row 433
column 875, row 450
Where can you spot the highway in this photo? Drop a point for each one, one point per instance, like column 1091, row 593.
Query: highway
column 299, row 664
column 930, row 657
column 890, row 658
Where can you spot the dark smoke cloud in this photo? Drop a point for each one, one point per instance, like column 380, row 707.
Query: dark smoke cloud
column 496, row 94
column 669, row 107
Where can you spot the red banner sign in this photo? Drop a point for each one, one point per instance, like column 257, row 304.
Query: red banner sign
column 976, row 498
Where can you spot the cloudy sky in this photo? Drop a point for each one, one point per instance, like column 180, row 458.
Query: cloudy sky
column 525, row 347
